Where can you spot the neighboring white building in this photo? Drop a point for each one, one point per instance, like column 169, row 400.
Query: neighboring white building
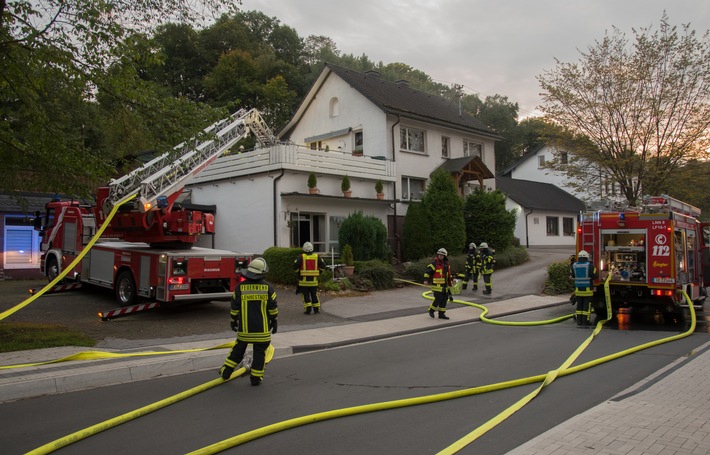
column 533, row 167
column 349, row 123
column 546, row 215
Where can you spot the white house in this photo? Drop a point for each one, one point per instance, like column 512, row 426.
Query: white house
column 546, row 215
column 534, row 166
column 349, row 123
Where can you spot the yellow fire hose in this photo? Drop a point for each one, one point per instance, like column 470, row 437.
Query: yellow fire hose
column 71, row 266
column 564, row 370
column 132, row 415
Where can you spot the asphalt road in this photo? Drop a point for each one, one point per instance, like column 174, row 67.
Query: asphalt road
column 432, row 362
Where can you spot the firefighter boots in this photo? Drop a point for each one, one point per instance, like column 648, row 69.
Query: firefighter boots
column 431, row 313
column 308, row 310
column 443, row 315
column 254, row 380
column 316, row 310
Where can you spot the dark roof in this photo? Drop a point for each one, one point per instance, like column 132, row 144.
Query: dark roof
column 400, row 99
column 397, row 98
column 24, row 202
column 473, row 164
column 539, row 196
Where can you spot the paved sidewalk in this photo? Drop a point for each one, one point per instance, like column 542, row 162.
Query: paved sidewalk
column 667, row 413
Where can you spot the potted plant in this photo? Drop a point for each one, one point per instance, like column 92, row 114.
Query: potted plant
column 348, row 260
column 378, row 189
column 345, row 186
column 312, row 182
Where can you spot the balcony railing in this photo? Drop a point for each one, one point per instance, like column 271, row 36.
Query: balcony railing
column 297, row 158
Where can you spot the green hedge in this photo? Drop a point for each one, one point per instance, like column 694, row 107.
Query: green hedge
column 280, row 261
column 558, row 278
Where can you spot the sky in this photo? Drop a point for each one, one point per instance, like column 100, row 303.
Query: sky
column 490, row 47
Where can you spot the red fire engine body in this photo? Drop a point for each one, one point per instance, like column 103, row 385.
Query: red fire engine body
column 146, row 250
column 652, row 253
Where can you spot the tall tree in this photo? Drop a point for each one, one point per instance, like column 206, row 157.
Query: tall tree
column 644, row 105
column 444, row 208
column 58, row 59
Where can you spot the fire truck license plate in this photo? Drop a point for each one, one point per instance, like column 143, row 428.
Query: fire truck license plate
column 179, row 287
column 663, row 280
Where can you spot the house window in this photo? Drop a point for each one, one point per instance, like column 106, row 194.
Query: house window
column 567, row 225
column 412, row 188
column 21, row 244
column 411, row 139
column 553, row 227
column 444, row 147
column 541, row 161
column 316, row 145
column 472, row 149
column 357, row 141
column 334, row 107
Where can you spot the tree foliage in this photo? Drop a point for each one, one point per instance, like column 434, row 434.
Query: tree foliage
column 67, row 72
column 487, row 219
column 644, row 105
column 416, row 233
column 444, row 208
column 366, row 235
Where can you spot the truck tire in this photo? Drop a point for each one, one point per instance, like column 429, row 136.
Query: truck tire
column 51, row 268
column 125, row 289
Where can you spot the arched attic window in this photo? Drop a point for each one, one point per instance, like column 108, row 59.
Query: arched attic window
column 334, row 107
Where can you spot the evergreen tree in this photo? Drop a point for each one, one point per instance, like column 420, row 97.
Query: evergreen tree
column 487, row 219
column 444, row 207
column 416, row 233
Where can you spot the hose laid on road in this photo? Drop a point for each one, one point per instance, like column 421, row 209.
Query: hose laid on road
column 564, row 370
column 127, row 417
column 546, row 379
column 71, row 266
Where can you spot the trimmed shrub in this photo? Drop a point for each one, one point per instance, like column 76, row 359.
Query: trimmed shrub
column 416, row 233
column 280, row 261
column 558, row 279
column 444, row 208
column 379, row 273
column 366, row 235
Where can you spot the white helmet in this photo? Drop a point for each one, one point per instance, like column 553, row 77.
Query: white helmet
column 308, row 247
column 471, row 246
column 442, row 251
column 257, row 269
column 583, row 255
column 483, row 245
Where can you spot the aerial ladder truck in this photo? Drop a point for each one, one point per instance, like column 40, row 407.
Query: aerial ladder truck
column 146, row 250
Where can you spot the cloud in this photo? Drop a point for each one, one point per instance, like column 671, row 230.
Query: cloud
column 489, row 47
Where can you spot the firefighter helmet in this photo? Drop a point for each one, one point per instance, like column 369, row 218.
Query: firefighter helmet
column 583, row 255
column 471, row 246
column 443, row 252
column 308, row 247
column 257, row 269
column 483, row 246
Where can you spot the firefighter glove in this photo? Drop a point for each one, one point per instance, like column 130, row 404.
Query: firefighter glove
column 234, row 325
column 273, row 325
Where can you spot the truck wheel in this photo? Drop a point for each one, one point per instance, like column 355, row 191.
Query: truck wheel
column 52, row 268
column 125, row 288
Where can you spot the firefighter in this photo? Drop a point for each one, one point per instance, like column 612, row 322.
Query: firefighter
column 473, row 267
column 309, row 266
column 583, row 273
column 488, row 262
column 439, row 271
column 253, row 316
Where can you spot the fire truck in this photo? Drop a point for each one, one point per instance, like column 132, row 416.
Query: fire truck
column 146, row 249
column 652, row 252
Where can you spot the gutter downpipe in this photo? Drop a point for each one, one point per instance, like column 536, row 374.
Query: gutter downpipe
column 394, row 193
column 276, row 211
column 527, row 236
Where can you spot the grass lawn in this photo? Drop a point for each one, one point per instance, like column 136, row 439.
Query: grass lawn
column 22, row 336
